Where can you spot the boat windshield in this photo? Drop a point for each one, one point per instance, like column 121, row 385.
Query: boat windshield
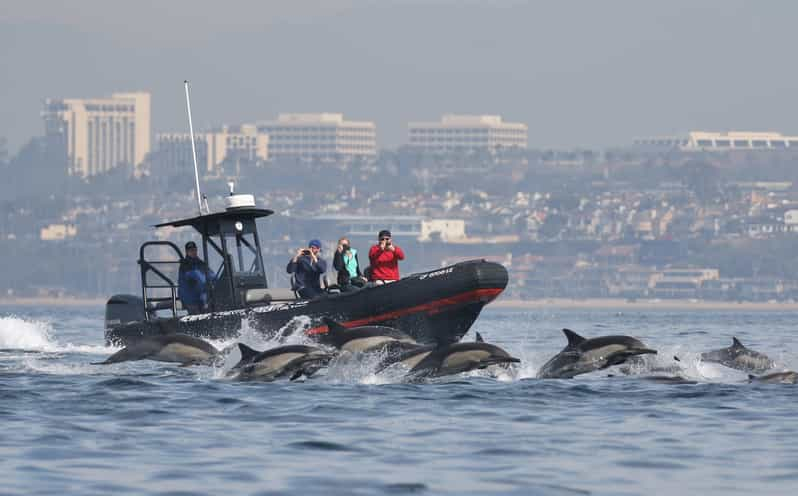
column 243, row 252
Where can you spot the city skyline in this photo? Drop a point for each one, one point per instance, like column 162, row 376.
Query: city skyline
column 95, row 135
column 569, row 70
column 63, row 115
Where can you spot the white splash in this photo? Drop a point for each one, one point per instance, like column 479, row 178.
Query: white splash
column 531, row 361
column 37, row 335
column 291, row 333
column 358, row 368
column 19, row 334
column 675, row 361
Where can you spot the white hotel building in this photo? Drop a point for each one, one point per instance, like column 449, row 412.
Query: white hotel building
column 704, row 141
column 467, row 132
column 99, row 134
column 699, row 140
column 320, row 137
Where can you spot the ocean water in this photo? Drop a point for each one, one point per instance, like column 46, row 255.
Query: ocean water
column 69, row 427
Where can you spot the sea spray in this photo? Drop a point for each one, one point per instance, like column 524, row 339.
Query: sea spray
column 21, row 334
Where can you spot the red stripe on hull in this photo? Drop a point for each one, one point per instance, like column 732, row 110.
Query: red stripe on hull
column 431, row 308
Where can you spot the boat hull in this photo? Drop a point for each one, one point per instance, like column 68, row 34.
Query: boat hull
column 434, row 307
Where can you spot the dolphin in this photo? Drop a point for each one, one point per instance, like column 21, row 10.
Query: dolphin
column 436, row 361
column 583, row 355
column 292, row 361
column 786, row 377
column 180, row 348
column 737, row 356
column 368, row 339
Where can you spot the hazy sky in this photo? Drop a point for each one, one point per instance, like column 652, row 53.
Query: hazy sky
column 578, row 73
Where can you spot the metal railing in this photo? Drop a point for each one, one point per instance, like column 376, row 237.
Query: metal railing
column 149, row 267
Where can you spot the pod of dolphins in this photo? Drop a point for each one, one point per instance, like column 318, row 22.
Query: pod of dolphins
column 419, row 362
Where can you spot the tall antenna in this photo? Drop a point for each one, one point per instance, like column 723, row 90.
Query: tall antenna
column 193, row 149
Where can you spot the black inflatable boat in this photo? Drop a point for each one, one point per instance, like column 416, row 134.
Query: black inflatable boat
column 435, row 307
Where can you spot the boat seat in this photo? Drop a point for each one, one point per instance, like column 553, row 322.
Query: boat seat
column 268, row 295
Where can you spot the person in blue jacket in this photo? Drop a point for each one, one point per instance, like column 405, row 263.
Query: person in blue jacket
column 307, row 267
column 192, row 282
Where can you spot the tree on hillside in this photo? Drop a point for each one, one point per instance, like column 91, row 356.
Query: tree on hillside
column 701, row 178
column 553, row 226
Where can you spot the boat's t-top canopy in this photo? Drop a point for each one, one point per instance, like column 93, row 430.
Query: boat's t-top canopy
column 230, row 247
column 202, row 222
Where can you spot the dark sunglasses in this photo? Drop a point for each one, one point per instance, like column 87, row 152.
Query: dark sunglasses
column 384, row 239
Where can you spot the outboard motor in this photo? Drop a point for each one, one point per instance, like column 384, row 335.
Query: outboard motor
column 122, row 309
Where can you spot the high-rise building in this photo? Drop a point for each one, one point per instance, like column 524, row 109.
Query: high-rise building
column 213, row 147
column 98, row 134
column 320, row 137
column 467, row 132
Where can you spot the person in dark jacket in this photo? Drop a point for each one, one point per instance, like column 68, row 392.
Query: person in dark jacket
column 345, row 261
column 307, row 267
column 192, row 281
column 384, row 258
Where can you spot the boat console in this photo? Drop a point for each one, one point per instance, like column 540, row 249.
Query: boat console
column 230, row 246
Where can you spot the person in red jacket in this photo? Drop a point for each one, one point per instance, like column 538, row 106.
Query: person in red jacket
column 384, row 258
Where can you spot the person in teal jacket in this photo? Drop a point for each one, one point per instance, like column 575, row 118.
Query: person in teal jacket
column 345, row 261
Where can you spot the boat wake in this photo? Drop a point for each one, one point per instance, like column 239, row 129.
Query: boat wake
column 30, row 345
column 18, row 334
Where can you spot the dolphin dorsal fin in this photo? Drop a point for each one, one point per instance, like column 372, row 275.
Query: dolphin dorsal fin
column 751, row 377
column 246, row 351
column 574, row 339
column 736, row 343
column 479, row 339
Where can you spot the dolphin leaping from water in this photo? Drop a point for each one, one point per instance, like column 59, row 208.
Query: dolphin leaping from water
column 582, row 355
column 368, row 339
column 178, row 348
column 436, row 361
column 739, row 357
column 292, row 361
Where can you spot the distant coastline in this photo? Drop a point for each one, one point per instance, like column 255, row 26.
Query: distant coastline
column 51, row 301
column 642, row 304
column 535, row 304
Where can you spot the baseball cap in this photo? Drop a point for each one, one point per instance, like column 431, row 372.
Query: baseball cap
column 191, row 245
column 314, row 242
